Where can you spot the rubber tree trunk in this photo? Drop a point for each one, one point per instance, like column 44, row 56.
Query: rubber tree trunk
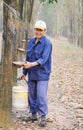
column 11, row 36
column 6, row 89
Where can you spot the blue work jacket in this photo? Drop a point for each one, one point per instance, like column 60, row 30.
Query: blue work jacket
column 41, row 53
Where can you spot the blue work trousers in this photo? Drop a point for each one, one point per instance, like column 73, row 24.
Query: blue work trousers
column 37, row 91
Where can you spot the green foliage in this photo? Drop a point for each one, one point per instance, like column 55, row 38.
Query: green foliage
column 50, row 1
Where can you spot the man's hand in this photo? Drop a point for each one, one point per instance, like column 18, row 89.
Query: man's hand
column 30, row 64
column 27, row 65
column 23, row 77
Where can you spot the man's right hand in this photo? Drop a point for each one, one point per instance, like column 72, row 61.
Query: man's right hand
column 23, row 77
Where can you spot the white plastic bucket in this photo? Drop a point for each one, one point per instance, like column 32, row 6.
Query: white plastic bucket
column 19, row 97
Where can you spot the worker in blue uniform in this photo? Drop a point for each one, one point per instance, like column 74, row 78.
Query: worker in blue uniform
column 38, row 68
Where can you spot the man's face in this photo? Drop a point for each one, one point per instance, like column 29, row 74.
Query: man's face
column 39, row 33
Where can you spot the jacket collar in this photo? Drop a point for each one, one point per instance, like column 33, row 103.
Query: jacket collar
column 40, row 40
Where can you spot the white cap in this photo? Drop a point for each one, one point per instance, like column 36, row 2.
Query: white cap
column 40, row 24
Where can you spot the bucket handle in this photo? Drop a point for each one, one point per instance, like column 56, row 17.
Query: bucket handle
column 19, row 79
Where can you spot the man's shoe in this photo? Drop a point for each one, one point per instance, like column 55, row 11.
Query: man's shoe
column 32, row 118
column 42, row 122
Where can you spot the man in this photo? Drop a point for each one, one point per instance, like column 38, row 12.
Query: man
column 38, row 67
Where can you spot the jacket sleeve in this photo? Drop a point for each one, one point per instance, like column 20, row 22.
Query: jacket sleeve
column 46, row 53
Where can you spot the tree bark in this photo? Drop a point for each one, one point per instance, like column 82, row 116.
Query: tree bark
column 12, row 39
